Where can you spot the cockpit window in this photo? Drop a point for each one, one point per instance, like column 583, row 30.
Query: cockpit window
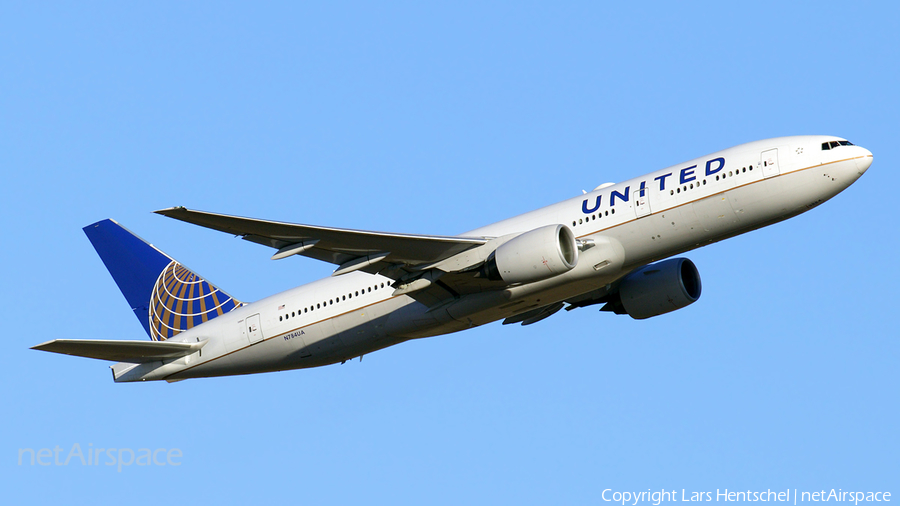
column 834, row 144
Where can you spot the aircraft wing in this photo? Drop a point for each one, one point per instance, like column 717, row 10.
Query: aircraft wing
column 335, row 245
column 120, row 351
column 430, row 268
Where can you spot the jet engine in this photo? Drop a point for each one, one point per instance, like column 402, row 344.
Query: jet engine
column 532, row 256
column 657, row 289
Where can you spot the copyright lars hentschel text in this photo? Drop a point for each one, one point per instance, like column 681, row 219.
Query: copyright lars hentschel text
column 657, row 497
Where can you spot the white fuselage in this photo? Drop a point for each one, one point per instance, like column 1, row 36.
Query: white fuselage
column 632, row 223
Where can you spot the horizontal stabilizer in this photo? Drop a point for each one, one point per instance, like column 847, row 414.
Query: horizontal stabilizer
column 120, row 351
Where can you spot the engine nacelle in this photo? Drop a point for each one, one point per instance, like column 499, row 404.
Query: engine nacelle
column 657, row 289
column 539, row 254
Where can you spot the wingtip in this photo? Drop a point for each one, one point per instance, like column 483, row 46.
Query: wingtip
column 40, row 347
column 169, row 210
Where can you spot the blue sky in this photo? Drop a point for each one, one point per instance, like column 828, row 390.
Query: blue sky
column 439, row 118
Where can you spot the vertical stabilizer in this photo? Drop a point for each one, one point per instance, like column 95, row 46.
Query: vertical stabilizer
column 167, row 297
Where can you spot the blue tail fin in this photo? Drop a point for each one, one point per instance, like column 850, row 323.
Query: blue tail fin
column 166, row 297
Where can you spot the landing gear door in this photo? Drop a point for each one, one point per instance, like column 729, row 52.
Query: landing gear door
column 768, row 160
column 253, row 329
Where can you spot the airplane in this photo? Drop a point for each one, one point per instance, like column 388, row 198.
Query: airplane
column 610, row 246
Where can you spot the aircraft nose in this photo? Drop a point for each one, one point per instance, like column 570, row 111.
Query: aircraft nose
column 863, row 162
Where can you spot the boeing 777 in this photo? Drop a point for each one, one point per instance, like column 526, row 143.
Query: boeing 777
column 609, row 246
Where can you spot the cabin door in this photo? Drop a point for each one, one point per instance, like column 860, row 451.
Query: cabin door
column 641, row 198
column 254, row 331
column 768, row 161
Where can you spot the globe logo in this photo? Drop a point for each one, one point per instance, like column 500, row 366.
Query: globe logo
column 181, row 300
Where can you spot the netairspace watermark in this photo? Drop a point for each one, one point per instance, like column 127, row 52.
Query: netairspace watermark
column 795, row 496
column 90, row 456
